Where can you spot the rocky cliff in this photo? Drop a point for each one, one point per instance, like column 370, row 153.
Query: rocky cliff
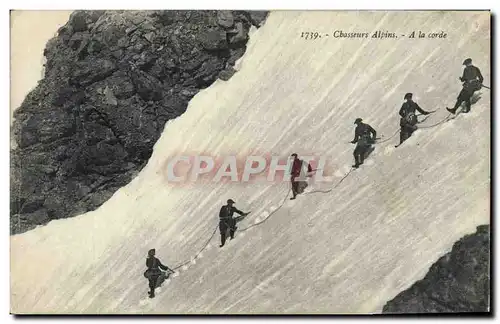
column 457, row 282
column 112, row 79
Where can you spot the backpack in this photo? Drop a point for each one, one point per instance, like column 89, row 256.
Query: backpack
column 411, row 118
column 366, row 135
column 152, row 273
column 473, row 85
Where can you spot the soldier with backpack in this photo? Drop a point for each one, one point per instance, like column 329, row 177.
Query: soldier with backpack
column 227, row 222
column 154, row 273
column 472, row 80
column 364, row 137
column 409, row 120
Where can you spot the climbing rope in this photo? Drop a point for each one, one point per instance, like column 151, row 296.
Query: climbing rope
column 397, row 130
column 286, row 196
column 438, row 123
column 385, row 140
column 307, row 193
column 270, row 214
column 200, row 251
column 329, row 190
column 260, row 222
column 241, row 230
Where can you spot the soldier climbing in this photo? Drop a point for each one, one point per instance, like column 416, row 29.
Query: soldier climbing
column 154, row 273
column 227, row 222
column 409, row 119
column 364, row 137
column 472, row 81
column 296, row 171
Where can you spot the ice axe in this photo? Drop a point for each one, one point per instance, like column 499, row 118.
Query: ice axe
column 239, row 218
column 482, row 85
column 430, row 112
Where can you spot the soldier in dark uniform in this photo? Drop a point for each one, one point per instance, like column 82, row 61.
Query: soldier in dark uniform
column 409, row 120
column 153, row 273
column 295, row 173
column 226, row 220
column 363, row 139
column 471, row 82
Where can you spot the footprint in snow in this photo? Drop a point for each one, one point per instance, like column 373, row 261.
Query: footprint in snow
column 370, row 162
column 388, row 150
column 309, row 189
column 338, row 174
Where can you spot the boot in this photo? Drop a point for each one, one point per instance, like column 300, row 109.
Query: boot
column 358, row 162
column 294, row 192
column 452, row 110
column 402, row 138
column 151, row 294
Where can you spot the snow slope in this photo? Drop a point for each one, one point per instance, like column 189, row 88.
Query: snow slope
column 346, row 251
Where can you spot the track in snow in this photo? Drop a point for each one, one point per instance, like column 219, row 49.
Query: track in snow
column 349, row 250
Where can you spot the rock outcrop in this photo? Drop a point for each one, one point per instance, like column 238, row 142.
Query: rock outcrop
column 457, row 282
column 112, row 79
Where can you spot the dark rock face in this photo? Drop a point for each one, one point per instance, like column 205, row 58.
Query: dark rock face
column 112, row 80
column 457, row 282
